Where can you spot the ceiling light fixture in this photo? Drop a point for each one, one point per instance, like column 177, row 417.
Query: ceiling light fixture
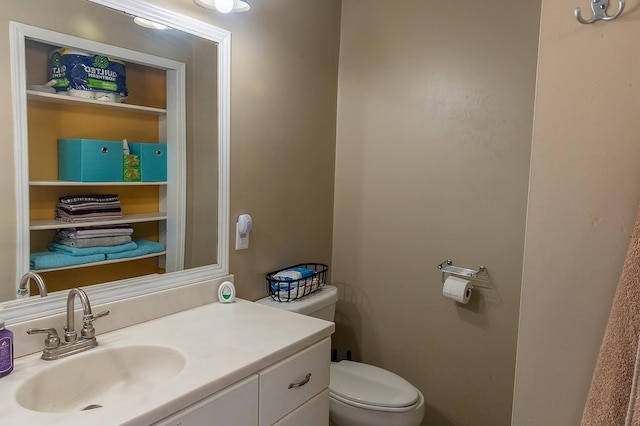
column 149, row 24
column 224, row 6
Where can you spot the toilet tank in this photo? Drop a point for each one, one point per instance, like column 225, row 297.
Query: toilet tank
column 320, row 304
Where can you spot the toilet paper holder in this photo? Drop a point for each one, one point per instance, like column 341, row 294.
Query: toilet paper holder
column 478, row 276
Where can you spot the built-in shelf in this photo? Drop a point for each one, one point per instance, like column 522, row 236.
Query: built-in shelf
column 104, row 262
column 74, row 183
column 41, row 225
column 33, row 95
column 159, row 215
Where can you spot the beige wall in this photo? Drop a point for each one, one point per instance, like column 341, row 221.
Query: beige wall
column 283, row 109
column 583, row 197
column 435, row 108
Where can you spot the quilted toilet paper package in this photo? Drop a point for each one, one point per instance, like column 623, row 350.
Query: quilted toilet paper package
column 87, row 75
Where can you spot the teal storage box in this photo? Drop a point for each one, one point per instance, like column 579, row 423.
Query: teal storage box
column 90, row 160
column 153, row 160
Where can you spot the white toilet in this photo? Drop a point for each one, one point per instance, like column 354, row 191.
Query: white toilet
column 359, row 394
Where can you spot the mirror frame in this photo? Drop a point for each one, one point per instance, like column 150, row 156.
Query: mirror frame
column 26, row 309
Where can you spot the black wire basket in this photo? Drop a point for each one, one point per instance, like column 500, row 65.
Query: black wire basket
column 286, row 290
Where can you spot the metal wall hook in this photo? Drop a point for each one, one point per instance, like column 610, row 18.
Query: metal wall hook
column 599, row 8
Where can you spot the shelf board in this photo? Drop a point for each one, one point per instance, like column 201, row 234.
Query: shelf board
column 41, row 225
column 33, row 95
column 74, row 183
column 104, row 262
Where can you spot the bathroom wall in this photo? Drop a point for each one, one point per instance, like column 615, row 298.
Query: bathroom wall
column 283, row 109
column 584, row 196
column 435, row 111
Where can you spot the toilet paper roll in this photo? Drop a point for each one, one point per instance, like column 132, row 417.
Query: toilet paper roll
column 457, row 289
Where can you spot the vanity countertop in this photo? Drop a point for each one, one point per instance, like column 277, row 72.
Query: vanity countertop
column 222, row 344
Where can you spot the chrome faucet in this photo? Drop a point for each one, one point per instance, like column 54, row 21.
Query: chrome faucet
column 23, row 289
column 53, row 347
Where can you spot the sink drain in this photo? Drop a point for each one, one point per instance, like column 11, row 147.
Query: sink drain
column 91, row 407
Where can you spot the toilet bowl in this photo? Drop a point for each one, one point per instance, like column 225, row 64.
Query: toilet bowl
column 359, row 394
column 364, row 395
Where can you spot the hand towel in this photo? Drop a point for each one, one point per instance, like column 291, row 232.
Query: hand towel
column 93, row 242
column 85, row 251
column 292, row 274
column 49, row 259
column 608, row 401
column 96, row 231
column 142, row 247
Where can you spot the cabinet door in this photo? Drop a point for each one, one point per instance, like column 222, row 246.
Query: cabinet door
column 235, row 406
column 314, row 412
column 291, row 382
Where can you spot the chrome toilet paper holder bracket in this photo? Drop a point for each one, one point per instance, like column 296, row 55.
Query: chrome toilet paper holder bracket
column 481, row 275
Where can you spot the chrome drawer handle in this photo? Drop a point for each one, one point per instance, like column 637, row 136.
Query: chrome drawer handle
column 302, row 383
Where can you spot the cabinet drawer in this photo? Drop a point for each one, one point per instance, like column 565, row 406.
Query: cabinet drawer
column 314, row 412
column 291, row 382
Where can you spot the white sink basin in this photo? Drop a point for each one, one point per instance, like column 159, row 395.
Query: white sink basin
column 99, row 377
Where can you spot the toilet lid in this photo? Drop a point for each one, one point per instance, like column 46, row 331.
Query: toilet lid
column 369, row 385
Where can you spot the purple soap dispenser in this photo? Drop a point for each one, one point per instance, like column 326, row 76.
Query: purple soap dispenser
column 6, row 350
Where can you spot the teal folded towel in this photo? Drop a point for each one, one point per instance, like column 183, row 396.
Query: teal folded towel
column 86, row 251
column 49, row 259
column 142, row 247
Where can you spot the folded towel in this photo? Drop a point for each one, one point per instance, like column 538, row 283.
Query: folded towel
column 90, row 217
column 292, row 274
column 143, row 247
column 308, row 285
column 49, row 259
column 93, row 242
column 74, row 211
column 88, row 198
column 85, row 251
column 96, row 231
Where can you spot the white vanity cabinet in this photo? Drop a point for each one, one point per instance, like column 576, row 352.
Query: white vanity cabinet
column 238, row 364
column 291, row 392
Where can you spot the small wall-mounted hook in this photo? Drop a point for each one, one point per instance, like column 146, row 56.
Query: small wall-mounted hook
column 599, row 8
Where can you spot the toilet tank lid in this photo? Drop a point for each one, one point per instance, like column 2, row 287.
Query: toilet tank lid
column 370, row 385
column 308, row 304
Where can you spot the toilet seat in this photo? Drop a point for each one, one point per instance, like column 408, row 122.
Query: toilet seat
column 367, row 386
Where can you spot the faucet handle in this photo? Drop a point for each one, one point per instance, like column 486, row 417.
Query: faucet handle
column 88, row 331
column 100, row 315
column 89, row 317
column 52, row 341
